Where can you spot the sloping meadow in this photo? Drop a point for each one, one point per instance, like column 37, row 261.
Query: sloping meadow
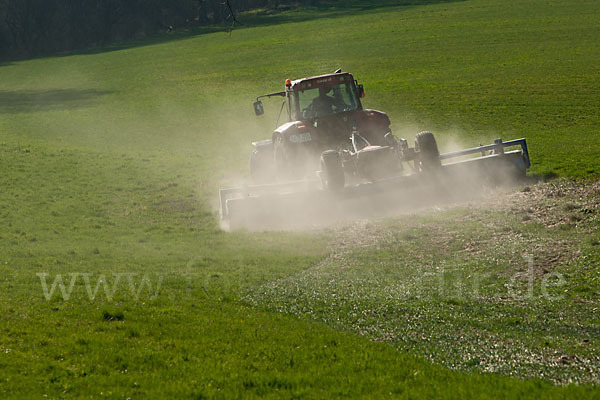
column 117, row 280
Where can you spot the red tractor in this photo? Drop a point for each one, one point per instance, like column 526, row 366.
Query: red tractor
column 329, row 132
column 329, row 137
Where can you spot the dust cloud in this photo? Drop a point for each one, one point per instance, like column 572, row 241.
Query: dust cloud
column 305, row 206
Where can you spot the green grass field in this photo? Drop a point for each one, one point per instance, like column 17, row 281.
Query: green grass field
column 110, row 163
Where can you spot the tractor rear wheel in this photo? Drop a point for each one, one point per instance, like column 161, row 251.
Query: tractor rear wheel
column 280, row 156
column 261, row 166
column 428, row 158
column 332, row 172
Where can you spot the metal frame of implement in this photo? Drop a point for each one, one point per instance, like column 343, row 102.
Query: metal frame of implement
column 518, row 159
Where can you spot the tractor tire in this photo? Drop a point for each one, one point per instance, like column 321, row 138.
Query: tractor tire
column 261, row 167
column 280, row 157
column 332, row 172
column 428, row 155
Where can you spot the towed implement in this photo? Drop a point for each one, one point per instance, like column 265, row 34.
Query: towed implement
column 334, row 160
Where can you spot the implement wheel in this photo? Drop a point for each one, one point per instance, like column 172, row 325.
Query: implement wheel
column 428, row 155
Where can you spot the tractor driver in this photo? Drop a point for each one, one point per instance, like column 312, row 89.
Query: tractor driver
column 325, row 105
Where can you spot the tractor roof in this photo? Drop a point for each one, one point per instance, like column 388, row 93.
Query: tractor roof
column 321, row 80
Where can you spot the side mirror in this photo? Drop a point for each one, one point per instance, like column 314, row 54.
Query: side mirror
column 360, row 91
column 258, row 108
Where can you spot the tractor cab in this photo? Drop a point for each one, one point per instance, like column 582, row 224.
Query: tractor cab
column 322, row 96
column 317, row 97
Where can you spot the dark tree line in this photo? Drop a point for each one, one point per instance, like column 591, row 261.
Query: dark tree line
column 40, row 27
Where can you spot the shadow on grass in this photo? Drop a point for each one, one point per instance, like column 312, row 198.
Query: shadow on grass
column 330, row 9
column 25, row 101
column 266, row 17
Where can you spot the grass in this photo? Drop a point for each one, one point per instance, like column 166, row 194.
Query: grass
column 110, row 163
column 488, row 73
column 476, row 290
